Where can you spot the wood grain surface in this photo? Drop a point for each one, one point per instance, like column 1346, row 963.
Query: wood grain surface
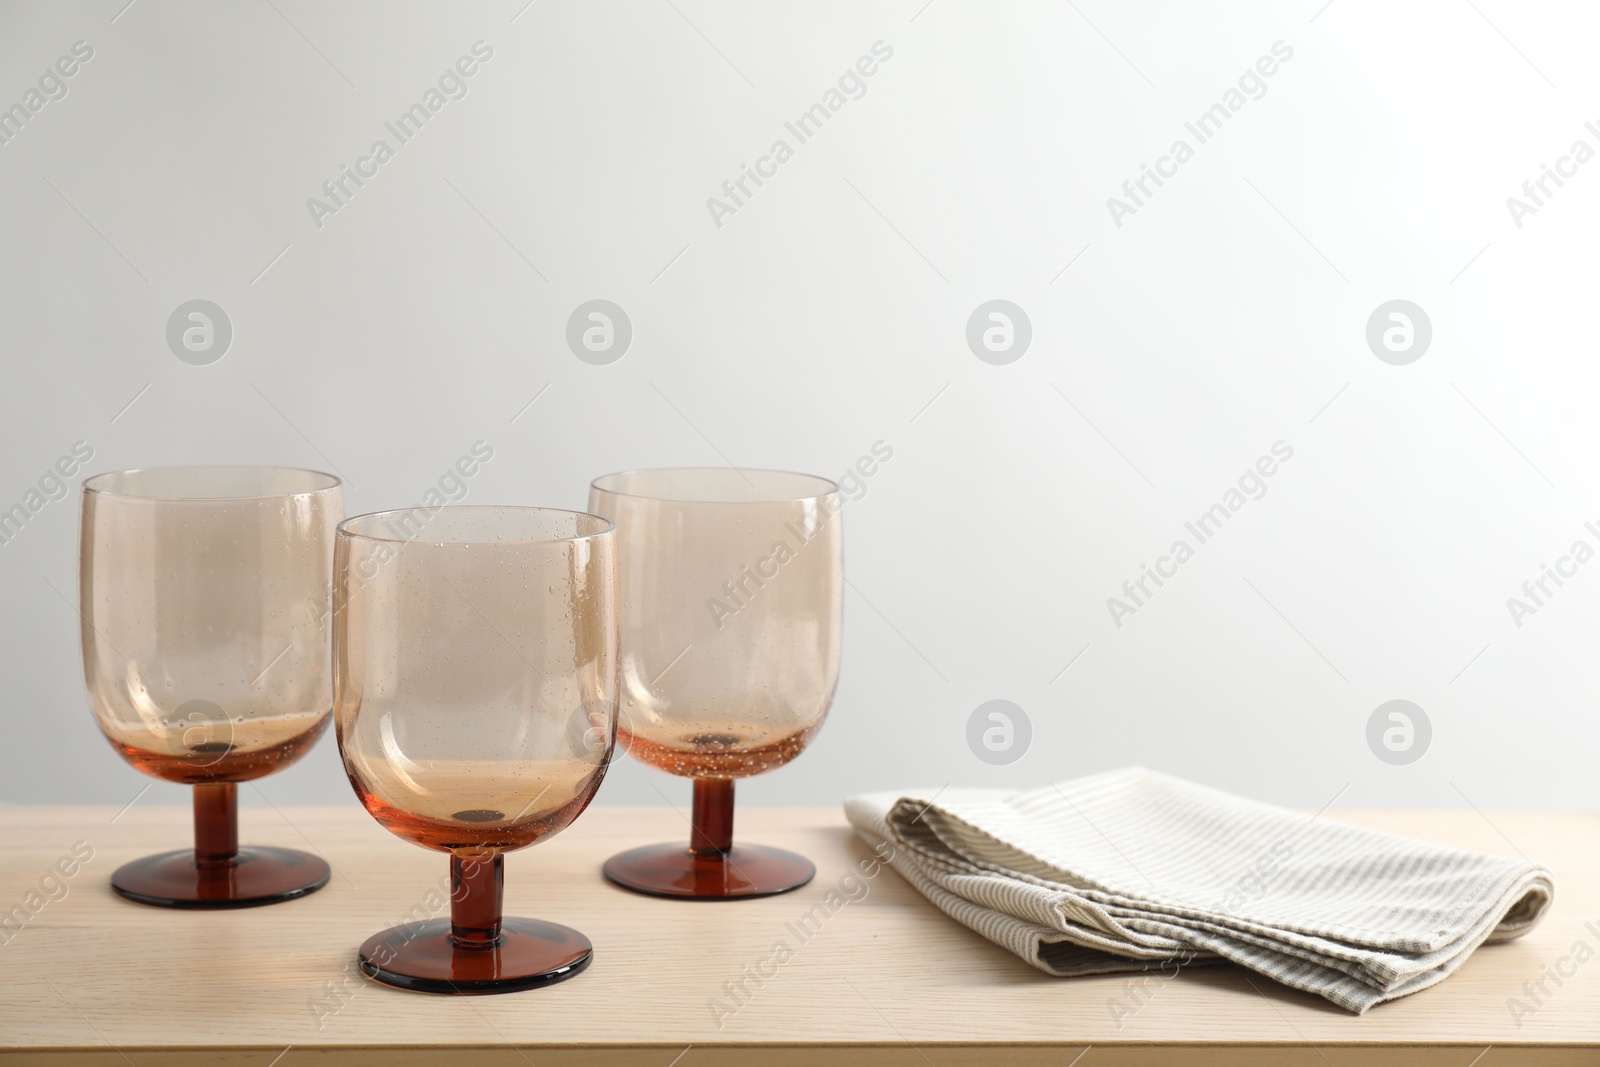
column 849, row 970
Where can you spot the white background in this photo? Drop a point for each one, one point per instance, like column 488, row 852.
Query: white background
column 830, row 313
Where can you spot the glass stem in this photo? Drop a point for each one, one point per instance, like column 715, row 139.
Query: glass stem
column 477, row 881
column 216, row 824
column 711, row 836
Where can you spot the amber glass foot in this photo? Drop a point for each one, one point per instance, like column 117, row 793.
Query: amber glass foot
column 256, row 876
column 217, row 873
column 675, row 871
column 426, row 957
column 475, row 950
column 712, row 867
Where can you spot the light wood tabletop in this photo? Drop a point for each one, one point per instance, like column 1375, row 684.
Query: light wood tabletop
column 849, row 969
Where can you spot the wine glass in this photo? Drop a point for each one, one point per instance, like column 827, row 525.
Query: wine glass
column 731, row 602
column 204, row 593
column 475, row 654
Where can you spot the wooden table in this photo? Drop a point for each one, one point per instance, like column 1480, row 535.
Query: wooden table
column 882, row 979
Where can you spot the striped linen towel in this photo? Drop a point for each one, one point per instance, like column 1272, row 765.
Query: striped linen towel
column 1136, row 870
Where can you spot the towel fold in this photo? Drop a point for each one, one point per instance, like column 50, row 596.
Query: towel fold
column 1136, row 870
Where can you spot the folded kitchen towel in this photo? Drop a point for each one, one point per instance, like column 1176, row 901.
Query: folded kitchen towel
column 1133, row 869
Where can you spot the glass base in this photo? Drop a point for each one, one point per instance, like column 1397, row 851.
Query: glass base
column 423, row 957
column 256, row 876
column 675, row 871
